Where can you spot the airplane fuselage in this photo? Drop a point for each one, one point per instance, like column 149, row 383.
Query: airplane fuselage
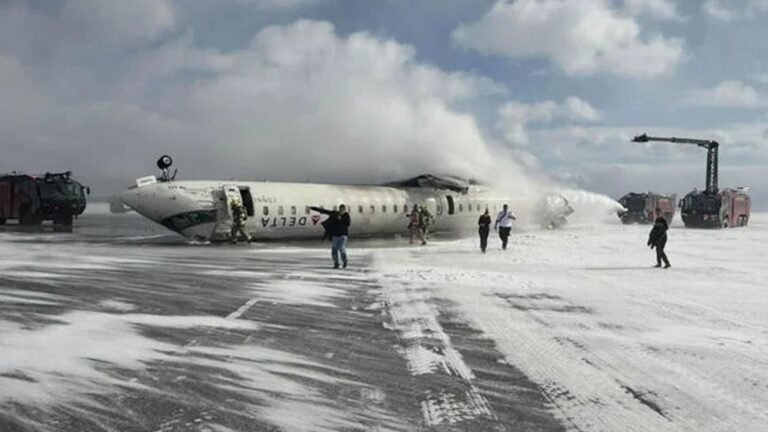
column 200, row 209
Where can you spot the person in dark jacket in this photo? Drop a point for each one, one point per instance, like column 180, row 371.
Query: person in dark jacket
column 658, row 239
column 483, row 229
column 337, row 228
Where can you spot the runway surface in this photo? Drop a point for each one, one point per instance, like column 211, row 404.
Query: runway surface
column 123, row 327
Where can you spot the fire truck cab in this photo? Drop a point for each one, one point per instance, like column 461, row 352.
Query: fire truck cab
column 32, row 199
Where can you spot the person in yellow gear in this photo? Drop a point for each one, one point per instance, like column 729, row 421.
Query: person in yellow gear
column 425, row 223
column 238, row 223
column 414, row 229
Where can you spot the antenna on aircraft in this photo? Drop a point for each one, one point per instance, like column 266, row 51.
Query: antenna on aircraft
column 164, row 163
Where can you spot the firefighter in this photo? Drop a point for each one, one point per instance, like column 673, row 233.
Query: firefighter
column 425, row 223
column 337, row 227
column 238, row 223
column 414, row 229
column 658, row 239
column 483, row 229
column 504, row 225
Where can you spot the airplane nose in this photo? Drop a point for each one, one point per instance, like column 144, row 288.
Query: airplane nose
column 132, row 199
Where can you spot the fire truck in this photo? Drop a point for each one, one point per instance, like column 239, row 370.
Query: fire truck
column 32, row 199
column 712, row 207
column 644, row 208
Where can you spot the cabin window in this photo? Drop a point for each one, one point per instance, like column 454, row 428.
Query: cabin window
column 335, row 208
column 394, row 208
column 293, row 210
column 280, row 210
column 461, row 207
column 265, row 210
column 383, row 209
column 439, row 209
column 373, row 209
column 359, row 209
column 307, row 210
column 469, row 208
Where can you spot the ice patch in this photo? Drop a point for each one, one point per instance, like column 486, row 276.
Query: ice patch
column 117, row 305
column 181, row 321
column 29, row 274
column 28, row 297
column 22, row 300
column 60, row 360
column 293, row 291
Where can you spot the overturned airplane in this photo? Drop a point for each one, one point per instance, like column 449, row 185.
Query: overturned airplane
column 200, row 210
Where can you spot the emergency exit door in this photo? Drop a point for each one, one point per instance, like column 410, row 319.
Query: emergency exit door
column 231, row 194
column 450, row 204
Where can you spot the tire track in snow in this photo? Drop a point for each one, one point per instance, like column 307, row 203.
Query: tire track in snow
column 428, row 351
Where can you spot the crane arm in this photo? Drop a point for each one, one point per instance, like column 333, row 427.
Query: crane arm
column 712, row 155
column 699, row 142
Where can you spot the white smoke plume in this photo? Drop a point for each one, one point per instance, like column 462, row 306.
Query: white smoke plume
column 299, row 102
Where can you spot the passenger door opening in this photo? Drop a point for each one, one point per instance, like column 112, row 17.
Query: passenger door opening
column 450, row 204
column 245, row 194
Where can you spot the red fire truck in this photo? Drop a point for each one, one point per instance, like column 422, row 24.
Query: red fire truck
column 712, row 207
column 644, row 208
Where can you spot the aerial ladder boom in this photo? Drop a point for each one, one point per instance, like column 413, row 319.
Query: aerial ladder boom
column 712, row 154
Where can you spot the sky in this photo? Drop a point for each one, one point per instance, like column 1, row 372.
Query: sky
column 371, row 91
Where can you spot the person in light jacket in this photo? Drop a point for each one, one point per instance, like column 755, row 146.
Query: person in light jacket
column 504, row 225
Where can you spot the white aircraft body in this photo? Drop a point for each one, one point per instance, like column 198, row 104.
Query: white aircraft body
column 201, row 210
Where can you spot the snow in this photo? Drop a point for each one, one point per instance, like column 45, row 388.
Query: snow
column 614, row 343
column 296, row 291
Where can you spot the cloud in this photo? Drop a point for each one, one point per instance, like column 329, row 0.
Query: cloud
column 734, row 9
column 603, row 159
column 583, row 37
column 515, row 117
column 727, row 94
column 298, row 102
column 281, row 5
column 761, row 78
column 662, row 9
column 82, row 27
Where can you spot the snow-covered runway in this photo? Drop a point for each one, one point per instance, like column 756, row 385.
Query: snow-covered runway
column 613, row 343
column 130, row 330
